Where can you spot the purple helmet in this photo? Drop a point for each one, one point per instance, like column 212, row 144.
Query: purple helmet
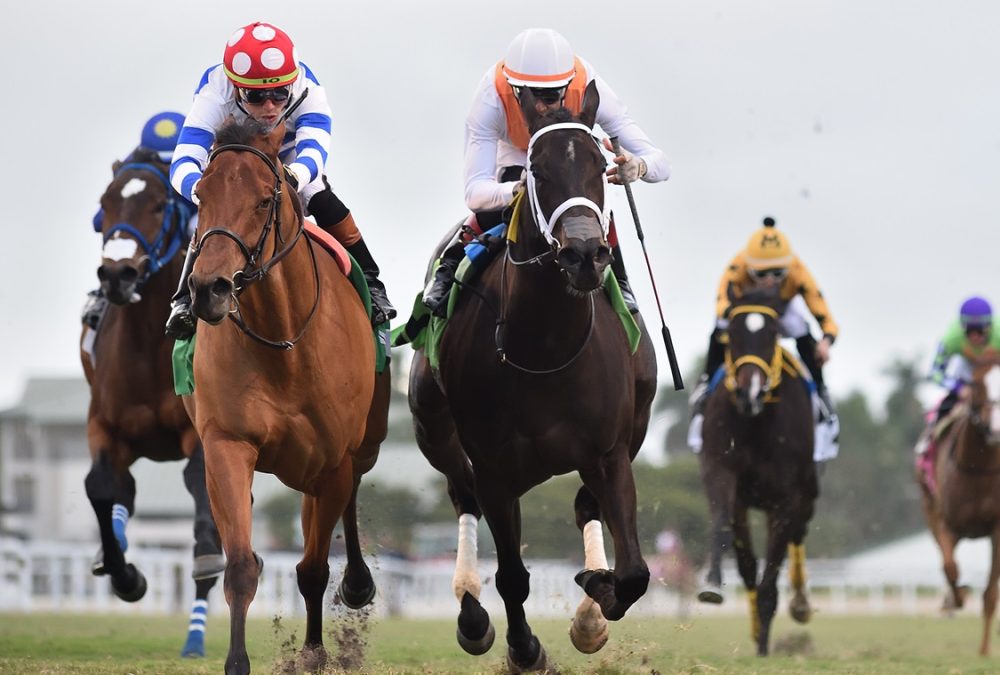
column 976, row 312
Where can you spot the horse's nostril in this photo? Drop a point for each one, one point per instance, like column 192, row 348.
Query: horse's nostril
column 569, row 258
column 222, row 287
column 102, row 273
column 128, row 275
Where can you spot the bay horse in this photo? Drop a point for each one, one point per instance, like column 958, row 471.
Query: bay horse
column 288, row 385
column 757, row 452
column 967, row 468
column 133, row 409
column 537, row 379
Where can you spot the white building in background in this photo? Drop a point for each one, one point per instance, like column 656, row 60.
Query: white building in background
column 44, row 459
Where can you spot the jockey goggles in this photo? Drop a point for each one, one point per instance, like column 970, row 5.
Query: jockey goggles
column 258, row 96
column 548, row 96
column 776, row 273
column 977, row 330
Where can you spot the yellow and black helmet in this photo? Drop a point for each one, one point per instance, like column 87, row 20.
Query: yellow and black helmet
column 768, row 248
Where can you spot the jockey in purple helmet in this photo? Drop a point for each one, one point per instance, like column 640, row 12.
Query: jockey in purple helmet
column 971, row 334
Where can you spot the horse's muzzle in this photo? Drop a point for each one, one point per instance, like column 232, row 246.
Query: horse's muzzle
column 118, row 281
column 211, row 298
column 584, row 262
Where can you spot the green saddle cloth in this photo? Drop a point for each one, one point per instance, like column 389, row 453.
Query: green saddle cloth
column 183, row 353
column 423, row 330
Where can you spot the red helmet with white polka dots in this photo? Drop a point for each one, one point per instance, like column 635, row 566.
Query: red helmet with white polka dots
column 261, row 56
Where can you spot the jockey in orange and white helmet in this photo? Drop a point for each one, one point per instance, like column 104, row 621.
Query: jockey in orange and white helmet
column 262, row 77
column 496, row 138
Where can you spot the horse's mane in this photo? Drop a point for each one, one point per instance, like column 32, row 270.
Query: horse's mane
column 241, row 132
column 143, row 155
column 769, row 297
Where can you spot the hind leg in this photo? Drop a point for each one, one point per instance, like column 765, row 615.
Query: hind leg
column 503, row 513
column 589, row 630
column 720, row 486
column 746, row 563
column 111, row 491
column 438, row 441
column 613, row 485
column 208, row 560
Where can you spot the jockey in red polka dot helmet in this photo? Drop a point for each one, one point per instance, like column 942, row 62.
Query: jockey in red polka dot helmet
column 261, row 76
column 260, row 56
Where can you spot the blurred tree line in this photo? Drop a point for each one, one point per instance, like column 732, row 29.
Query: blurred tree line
column 868, row 494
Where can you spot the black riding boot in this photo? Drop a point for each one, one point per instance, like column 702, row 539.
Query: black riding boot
column 716, row 355
column 94, row 308
column 618, row 267
column 181, row 322
column 439, row 289
column 382, row 309
column 806, row 346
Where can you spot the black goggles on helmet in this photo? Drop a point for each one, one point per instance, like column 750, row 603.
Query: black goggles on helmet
column 776, row 273
column 548, row 96
column 258, row 96
column 977, row 329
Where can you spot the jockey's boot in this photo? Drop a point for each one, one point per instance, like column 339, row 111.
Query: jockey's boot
column 716, row 355
column 806, row 346
column 382, row 309
column 438, row 289
column 181, row 322
column 618, row 267
column 94, row 309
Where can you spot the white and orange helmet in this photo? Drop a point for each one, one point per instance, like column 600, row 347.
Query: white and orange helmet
column 261, row 56
column 539, row 58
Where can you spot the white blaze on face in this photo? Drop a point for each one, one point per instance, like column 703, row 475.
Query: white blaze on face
column 754, row 322
column 571, row 151
column 133, row 187
column 992, row 383
column 120, row 249
column 755, row 385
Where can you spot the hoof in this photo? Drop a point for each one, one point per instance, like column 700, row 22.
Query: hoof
column 480, row 646
column 589, row 631
column 800, row 610
column 541, row 663
column 211, row 566
column 354, row 599
column 194, row 648
column 136, row 592
column 710, row 594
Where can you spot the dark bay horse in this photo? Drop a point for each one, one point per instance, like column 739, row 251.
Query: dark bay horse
column 537, row 379
column 133, row 410
column 288, row 385
column 966, row 504
column 757, row 453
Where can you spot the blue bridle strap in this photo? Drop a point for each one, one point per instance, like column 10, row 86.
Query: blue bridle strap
column 176, row 206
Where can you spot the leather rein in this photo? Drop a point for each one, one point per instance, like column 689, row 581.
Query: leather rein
column 255, row 270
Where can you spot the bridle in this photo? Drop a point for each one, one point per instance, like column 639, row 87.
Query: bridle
column 176, row 215
column 545, row 226
column 255, row 270
column 771, row 369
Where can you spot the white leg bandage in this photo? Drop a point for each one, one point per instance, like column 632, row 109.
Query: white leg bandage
column 593, row 546
column 466, row 578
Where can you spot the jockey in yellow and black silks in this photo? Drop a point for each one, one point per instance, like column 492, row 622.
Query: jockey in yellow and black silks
column 768, row 262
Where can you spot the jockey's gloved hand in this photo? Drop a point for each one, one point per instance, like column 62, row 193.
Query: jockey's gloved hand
column 628, row 168
column 296, row 175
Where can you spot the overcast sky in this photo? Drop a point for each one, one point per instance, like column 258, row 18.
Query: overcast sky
column 869, row 130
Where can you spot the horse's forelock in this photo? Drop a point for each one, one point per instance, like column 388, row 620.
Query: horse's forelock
column 241, row 132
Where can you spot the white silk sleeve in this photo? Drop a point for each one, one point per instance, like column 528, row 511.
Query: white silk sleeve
column 485, row 126
column 614, row 119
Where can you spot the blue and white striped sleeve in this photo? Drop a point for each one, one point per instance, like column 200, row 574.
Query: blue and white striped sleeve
column 312, row 131
column 208, row 112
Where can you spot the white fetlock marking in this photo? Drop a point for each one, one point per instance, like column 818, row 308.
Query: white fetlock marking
column 593, row 546
column 466, row 578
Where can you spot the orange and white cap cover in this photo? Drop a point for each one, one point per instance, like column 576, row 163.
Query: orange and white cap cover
column 539, row 58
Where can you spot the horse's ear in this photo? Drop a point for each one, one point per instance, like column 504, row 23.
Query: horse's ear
column 531, row 116
column 275, row 138
column 115, row 165
column 591, row 101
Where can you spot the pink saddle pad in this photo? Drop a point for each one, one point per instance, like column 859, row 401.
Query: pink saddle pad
column 332, row 246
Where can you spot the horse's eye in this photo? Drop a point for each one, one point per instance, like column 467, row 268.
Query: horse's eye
column 264, row 203
column 159, row 207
